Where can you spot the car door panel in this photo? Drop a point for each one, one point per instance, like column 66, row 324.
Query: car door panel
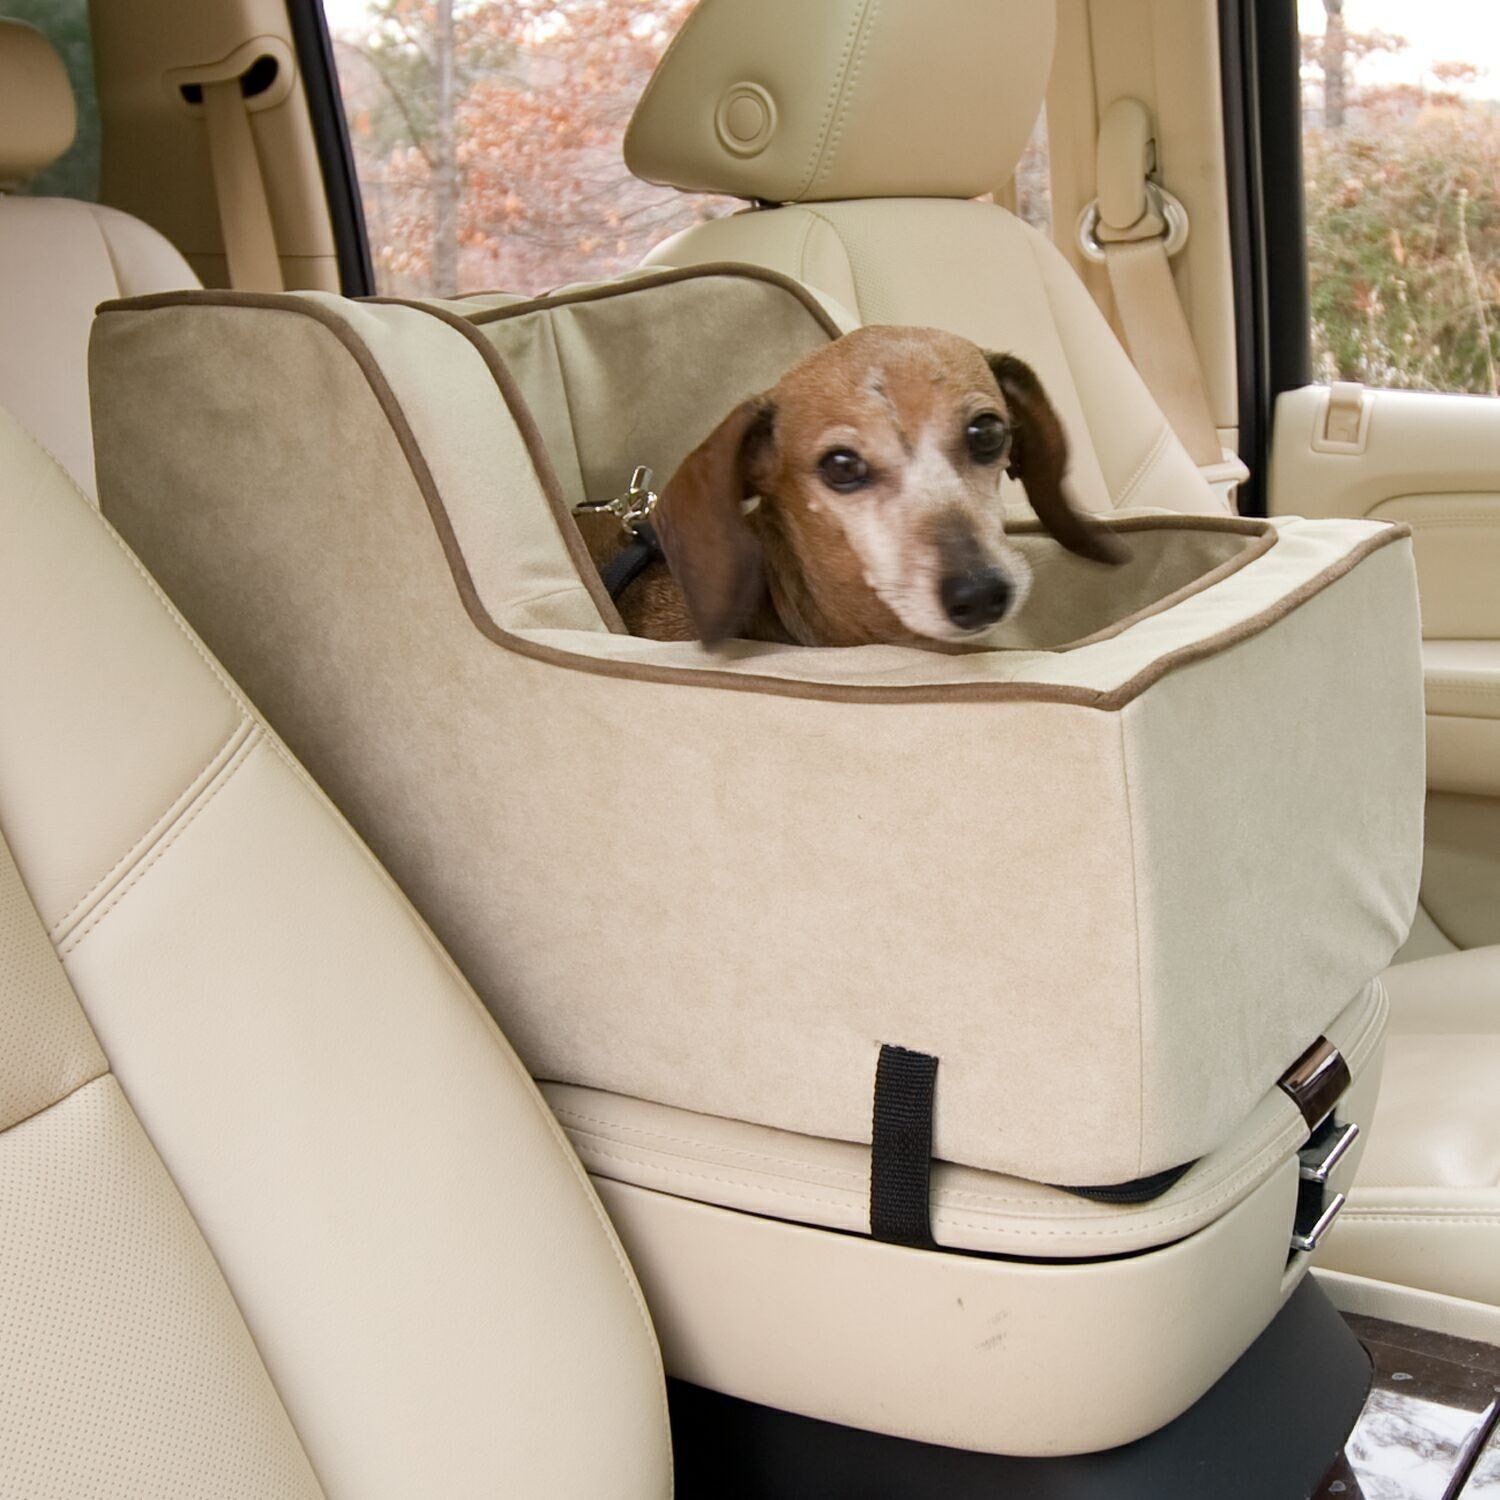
column 1431, row 460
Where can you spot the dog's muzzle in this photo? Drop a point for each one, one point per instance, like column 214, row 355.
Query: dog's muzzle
column 976, row 599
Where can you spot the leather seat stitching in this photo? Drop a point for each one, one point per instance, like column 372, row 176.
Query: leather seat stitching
column 1439, row 1216
column 1079, row 1216
column 1142, row 1224
column 144, row 840
column 814, row 218
column 1142, row 469
column 1080, row 1231
column 1273, row 1141
column 109, row 253
column 808, row 226
column 612, row 1127
column 261, row 735
column 175, row 830
column 810, row 172
column 103, row 1072
column 1041, row 271
column 847, row 87
column 508, row 1058
column 731, row 1182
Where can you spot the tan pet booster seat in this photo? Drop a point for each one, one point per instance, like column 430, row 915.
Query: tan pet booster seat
column 1054, row 964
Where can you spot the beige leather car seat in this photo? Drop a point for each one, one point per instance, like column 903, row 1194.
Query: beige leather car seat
column 59, row 257
column 1426, row 1208
column 280, row 1212
column 863, row 131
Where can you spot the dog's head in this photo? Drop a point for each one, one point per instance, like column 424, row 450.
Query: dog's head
column 876, row 462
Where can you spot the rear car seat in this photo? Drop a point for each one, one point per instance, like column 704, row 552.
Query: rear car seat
column 59, row 257
column 280, row 1212
column 859, row 131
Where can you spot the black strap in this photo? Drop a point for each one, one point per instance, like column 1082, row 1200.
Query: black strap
column 901, row 1147
column 631, row 561
column 1137, row 1190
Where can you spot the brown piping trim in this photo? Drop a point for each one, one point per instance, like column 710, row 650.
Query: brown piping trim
column 1159, row 521
column 520, row 409
column 1185, row 656
column 957, row 692
column 536, row 450
column 665, row 278
column 1257, row 547
column 1263, row 536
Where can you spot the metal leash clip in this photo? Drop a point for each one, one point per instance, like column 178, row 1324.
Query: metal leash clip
column 632, row 508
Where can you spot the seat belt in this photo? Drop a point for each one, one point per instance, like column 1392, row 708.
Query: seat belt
column 1134, row 226
column 1161, row 344
column 244, row 209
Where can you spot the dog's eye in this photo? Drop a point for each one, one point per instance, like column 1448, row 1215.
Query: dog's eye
column 987, row 437
column 843, row 470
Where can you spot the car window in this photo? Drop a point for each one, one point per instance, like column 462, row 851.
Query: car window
column 1401, row 155
column 487, row 140
column 66, row 24
column 1034, row 179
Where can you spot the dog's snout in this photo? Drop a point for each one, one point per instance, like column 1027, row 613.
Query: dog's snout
column 973, row 600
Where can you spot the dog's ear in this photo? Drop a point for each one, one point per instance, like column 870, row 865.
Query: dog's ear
column 700, row 522
column 1039, row 459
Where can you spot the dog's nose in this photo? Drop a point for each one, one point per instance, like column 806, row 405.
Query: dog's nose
column 974, row 600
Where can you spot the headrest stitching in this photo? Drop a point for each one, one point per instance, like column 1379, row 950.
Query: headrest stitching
column 810, row 173
column 829, row 154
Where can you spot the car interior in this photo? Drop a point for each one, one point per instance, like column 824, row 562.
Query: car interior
column 450, row 1045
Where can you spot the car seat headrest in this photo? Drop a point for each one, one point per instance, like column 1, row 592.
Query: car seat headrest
column 37, row 115
column 784, row 101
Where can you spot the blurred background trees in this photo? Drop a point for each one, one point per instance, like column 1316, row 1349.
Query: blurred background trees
column 487, row 138
column 1403, row 217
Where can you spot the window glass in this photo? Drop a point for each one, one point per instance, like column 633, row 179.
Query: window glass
column 487, row 140
column 1401, row 142
column 1034, row 180
column 66, row 24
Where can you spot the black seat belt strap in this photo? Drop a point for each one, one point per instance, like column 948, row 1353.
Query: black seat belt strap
column 901, row 1147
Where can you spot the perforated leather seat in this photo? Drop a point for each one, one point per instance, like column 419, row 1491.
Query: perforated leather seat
column 871, row 126
column 59, row 258
column 280, row 1212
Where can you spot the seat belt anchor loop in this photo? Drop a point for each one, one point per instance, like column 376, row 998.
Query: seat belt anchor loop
column 1132, row 207
column 1167, row 207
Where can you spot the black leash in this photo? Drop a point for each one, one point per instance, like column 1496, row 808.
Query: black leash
column 632, row 560
column 632, row 510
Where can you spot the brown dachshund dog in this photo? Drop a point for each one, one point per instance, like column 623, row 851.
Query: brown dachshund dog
column 856, row 502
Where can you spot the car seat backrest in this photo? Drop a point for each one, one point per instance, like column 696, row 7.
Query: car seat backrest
column 864, row 130
column 280, row 1212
